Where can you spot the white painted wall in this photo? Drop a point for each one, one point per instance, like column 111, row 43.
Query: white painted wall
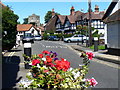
column 105, row 35
column 35, row 32
column 113, row 35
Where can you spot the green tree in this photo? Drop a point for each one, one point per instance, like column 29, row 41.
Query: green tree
column 82, row 29
column 49, row 15
column 9, row 23
column 25, row 21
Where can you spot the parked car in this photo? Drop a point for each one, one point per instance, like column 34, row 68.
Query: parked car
column 53, row 38
column 28, row 38
column 38, row 37
column 76, row 38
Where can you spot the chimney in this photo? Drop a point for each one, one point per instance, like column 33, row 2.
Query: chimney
column 53, row 13
column 96, row 8
column 72, row 11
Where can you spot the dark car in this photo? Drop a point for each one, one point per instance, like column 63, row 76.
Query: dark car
column 28, row 38
column 53, row 38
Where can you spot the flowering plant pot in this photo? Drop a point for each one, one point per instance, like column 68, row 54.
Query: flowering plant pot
column 47, row 71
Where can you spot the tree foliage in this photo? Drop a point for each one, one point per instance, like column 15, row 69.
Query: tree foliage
column 85, row 31
column 49, row 15
column 25, row 21
column 9, row 23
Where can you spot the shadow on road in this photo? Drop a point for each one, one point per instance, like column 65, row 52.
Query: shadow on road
column 15, row 50
column 9, row 72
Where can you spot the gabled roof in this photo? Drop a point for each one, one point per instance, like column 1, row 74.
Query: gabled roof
column 62, row 18
column 110, row 8
column 71, row 18
column 114, row 17
column 24, row 27
column 51, row 23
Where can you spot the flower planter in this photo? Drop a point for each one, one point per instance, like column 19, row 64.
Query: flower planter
column 47, row 71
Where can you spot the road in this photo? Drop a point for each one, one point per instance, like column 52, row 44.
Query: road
column 106, row 75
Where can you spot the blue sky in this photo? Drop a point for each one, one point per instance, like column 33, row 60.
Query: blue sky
column 25, row 9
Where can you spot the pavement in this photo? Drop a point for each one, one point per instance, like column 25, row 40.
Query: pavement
column 100, row 54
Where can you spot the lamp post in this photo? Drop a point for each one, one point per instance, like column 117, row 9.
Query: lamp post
column 89, row 24
column 82, row 29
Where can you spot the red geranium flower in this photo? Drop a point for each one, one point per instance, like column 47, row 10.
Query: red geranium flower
column 90, row 55
column 40, row 55
column 49, row 60
column 35, row 62
column 46, row 52
column 92, row 81
column 62, row 65
column 47, row 57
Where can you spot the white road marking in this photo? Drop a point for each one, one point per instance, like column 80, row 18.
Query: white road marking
column 79, row 53
column 55, row 46
column 42, row 44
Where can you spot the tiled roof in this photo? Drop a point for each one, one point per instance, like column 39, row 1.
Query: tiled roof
column 71, row 18
column 24, row 27
column 51, row 23
column 114, row 17
column 40, row 27
column 94, row 16
column 62, row 18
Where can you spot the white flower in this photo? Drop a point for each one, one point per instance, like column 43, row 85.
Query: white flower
column 38, row 85
column 77, row 75
column 25, row 83
column 29, row 74
column 73, row 72
column 44, row 59
column 81, row 65
column 64, row 59
column 70, row 69
column 38, row 65
column 84, row 80
column 30, row 63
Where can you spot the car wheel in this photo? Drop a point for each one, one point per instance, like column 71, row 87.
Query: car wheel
column 68, row 41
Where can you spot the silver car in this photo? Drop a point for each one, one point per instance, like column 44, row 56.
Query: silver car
column 38, row 37
column 76, row 38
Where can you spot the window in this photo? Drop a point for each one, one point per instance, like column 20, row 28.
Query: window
column 67, row 24
column 75, row 36
column 97, row 24
column 58, row 25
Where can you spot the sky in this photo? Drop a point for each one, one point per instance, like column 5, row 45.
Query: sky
column 25, row 9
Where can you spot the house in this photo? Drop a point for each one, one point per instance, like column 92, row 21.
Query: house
column 27, row 28
column 112, row 20
column 41, row 30
column 68, row 23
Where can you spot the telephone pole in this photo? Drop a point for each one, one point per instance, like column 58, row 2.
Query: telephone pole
column 89, row 24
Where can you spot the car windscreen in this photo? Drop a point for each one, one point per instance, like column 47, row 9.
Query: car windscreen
column 27, row 35
column 37, row 36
